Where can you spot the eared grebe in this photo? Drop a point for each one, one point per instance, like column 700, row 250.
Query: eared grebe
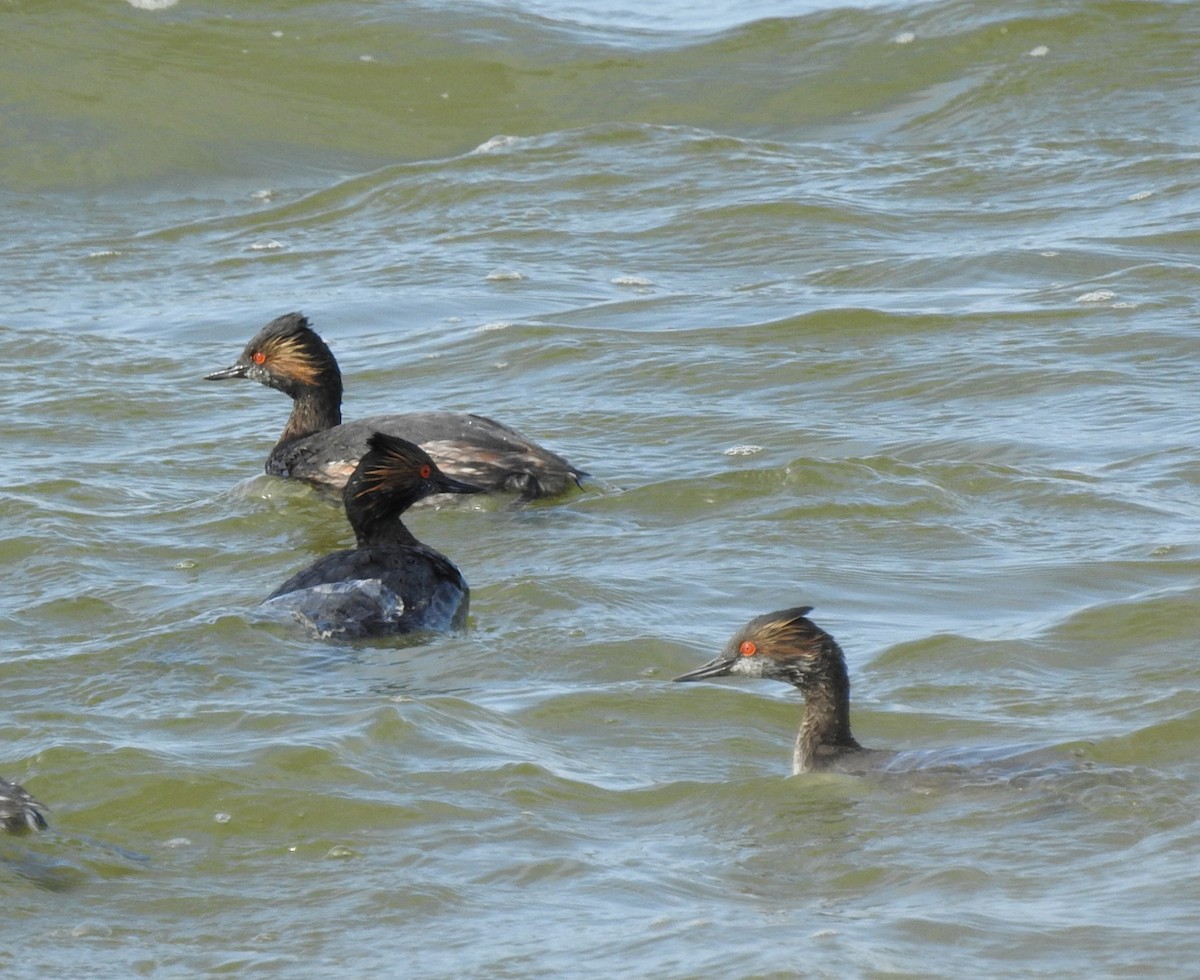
column 389, row 583
column 785, row 646
column 18, row 810
column 318, row 447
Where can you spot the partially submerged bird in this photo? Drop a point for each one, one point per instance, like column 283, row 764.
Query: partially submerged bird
column 318, row 447
column 787, row 646
column 390, row 582
column 18, row 810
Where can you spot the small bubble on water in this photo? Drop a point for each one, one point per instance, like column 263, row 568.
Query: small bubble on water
column 1096, row 296
column 222, row 817
column 177, row 842
column 747, row 450
column 505, row 275
column 904, row 37
column 1039, row 52
column 265, row 245
column 341, row 851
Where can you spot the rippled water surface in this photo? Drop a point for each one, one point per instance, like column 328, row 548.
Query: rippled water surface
column 885, row 308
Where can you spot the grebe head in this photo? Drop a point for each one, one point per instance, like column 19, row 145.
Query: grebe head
column 392, row 476
column 779, row 646
column 786, row 646
column 287, row 354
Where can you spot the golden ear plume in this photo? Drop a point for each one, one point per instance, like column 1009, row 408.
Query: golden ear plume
column 290, row 356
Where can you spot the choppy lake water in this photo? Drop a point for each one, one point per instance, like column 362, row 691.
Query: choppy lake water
column 886, row 309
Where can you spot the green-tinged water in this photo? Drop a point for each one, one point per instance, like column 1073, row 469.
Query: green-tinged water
column 886, row 309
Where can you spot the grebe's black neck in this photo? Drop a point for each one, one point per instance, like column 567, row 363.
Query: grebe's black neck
column 313, row 410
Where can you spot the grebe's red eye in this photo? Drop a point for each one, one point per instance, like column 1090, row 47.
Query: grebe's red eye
column 259, row 357
column 426, row 471
column 747, row 649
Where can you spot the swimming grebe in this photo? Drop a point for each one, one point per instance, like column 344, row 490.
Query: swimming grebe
column 785, row 646
column 318, row 447
column 18, row 810
column 390, row 582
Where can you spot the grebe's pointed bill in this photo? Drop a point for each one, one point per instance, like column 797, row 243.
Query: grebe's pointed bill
column 233, row 371
column 719, row 667
column 447, row 484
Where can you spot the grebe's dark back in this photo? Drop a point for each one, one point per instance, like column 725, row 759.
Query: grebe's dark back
column 18, row 810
